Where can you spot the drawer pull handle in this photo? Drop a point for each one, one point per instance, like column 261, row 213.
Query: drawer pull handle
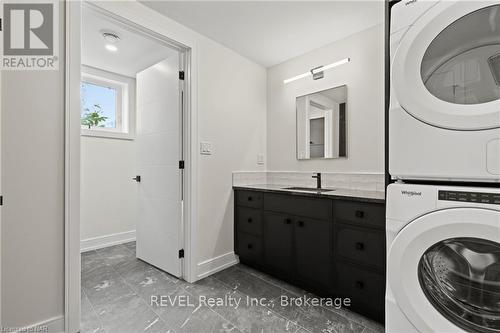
column 250, row 198
column 360, row 214
column 360, row 246
column 250, row 246
column 288, row 221
column 301, row 223
column 250, row 220
column 360, row 285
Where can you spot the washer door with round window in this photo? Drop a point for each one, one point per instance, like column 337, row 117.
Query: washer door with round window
column 444, row 271
column 446, row 71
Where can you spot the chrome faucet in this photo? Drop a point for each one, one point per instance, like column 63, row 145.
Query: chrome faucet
column 318, row 180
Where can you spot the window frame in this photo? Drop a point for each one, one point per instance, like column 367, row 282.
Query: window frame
column 125, row 103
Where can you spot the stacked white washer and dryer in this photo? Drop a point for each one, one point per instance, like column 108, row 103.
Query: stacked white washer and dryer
column 443, row 211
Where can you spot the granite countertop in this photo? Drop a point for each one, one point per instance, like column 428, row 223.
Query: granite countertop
column 337, row 193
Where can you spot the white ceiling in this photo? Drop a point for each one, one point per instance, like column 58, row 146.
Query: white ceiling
column 135, row 51
column 270, row 32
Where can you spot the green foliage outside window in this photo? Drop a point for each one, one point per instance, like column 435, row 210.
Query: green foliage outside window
column 94, row 117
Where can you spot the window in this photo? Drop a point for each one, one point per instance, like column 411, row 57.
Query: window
column 107, row 104
column 99, row 106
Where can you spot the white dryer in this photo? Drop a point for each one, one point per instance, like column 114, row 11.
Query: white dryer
column 445, row 91
column 443, row 266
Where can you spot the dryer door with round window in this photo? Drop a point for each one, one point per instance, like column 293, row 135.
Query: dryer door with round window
column 446, row 71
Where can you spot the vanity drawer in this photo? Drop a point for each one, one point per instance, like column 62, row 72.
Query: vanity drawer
column 315, row 208
column 249, row 220
column 365, row 246
column 249, row 248
column 366, row 289
column 249, row 198
column 366, row 214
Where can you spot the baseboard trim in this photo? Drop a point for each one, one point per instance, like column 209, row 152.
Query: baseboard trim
column 216, row 264
column 52, row 325
column 107, row 240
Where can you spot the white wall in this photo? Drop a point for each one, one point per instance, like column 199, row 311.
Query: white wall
column 364, row 77
column 32, row 139
column 232, row 115
column 108, row 204
column 108, row 195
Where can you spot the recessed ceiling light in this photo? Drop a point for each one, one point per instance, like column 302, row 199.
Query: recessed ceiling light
column 111, row 48
column 110, row 37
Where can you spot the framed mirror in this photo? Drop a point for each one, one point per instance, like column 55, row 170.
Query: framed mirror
column 322, row 124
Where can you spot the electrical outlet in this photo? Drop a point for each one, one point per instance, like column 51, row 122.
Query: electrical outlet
column 206, row 148
column 260, row 159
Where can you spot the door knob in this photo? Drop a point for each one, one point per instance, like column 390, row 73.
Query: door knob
column 137, row 179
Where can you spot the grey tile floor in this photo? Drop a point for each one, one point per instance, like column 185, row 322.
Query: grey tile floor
column 117, row 292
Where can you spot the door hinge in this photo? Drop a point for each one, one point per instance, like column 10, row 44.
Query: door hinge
column 181, row 75
column 181, row 253
column 181, row 164
column 1, row 200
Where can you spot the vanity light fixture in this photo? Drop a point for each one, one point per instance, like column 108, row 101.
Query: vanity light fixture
column 317, row 72
column 298, row 77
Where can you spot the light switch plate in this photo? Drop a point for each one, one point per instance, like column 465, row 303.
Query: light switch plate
column 206, row 148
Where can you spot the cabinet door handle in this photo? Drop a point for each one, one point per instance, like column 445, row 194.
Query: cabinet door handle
column 360, row 285
column 250, row 198
column 288, row 221
column 249, row 220
column 360, row 214
column 250, row 246
column 360, row 246
column 301, row 223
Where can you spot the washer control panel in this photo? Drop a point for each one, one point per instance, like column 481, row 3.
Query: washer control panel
column 476, row 197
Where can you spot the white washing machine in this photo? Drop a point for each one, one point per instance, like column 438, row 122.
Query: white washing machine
column 445, row 91
column 443, row 267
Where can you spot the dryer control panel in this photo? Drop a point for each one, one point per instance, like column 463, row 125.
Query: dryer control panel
column 475, row 197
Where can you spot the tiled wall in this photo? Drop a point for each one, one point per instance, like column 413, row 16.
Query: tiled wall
column 353, row 181
column 249, row 178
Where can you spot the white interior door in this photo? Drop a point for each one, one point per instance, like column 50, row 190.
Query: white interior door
column 159, row 223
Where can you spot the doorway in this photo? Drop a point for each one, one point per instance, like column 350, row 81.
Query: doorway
column 145, row 103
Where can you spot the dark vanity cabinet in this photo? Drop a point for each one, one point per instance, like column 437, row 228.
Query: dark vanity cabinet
column 330, row 246
column 359, row 255
column 296, row 229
